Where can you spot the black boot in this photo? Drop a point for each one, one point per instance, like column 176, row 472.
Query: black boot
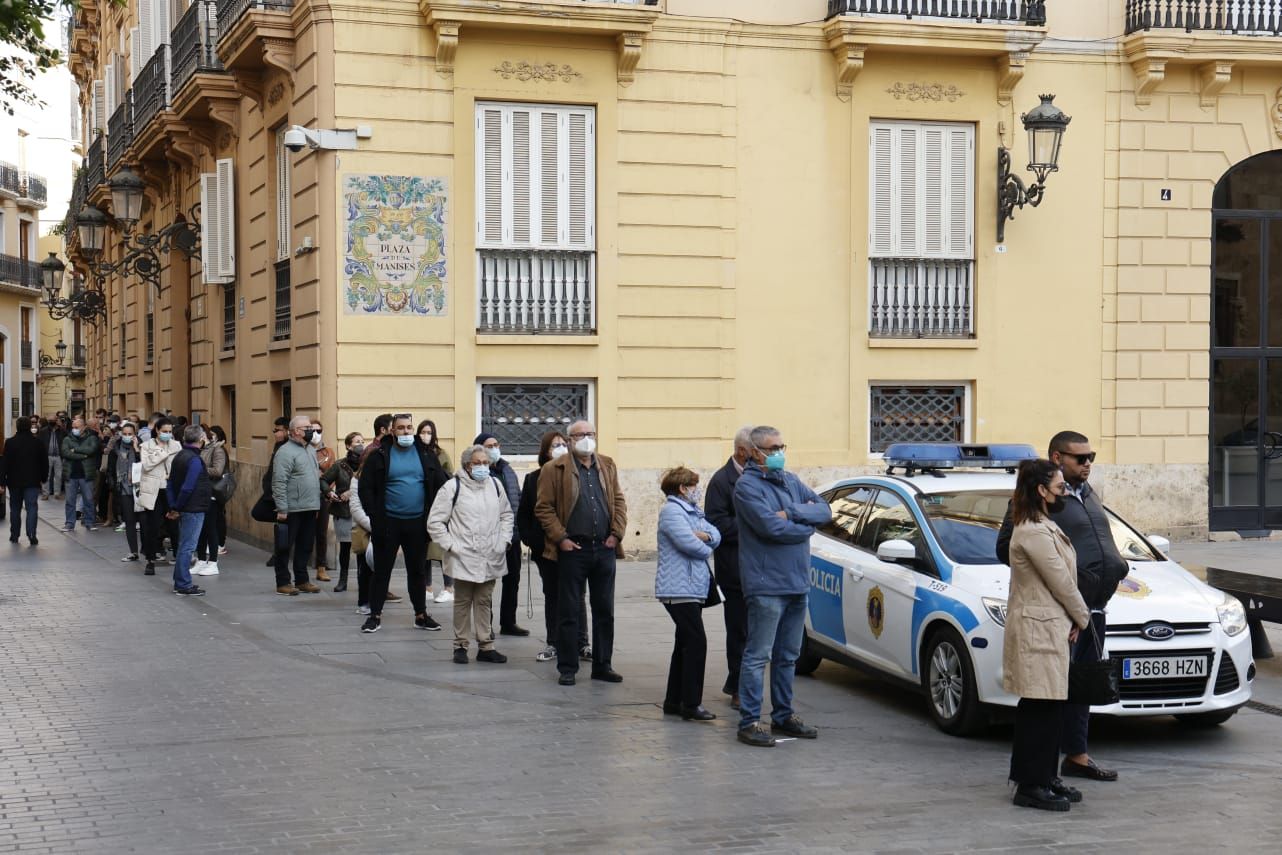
column 342, row 581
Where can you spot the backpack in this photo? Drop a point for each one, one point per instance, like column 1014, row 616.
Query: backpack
column 459, row 486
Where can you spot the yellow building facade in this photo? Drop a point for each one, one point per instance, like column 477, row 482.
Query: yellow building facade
column 22, row 197
column 683, row 216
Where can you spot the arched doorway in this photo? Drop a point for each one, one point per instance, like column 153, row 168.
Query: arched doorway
column 1246, row 347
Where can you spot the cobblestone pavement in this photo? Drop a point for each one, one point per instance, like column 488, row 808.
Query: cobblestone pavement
column 137, row 721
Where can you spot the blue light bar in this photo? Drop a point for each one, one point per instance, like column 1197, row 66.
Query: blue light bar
column 949, row 455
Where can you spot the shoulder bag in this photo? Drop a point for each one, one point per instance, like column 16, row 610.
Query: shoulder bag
column 1093, row 683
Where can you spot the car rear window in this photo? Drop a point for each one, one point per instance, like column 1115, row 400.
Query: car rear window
column 966, row 523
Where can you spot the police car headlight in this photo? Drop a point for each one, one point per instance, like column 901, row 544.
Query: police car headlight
column 1232, row 616
column 996, row 610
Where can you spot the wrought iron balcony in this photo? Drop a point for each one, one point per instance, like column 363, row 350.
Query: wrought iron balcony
column 1030, row 12
column 231, row 11
column 1250, row 17
column 921, row 298
column 194, row 43
column 537, row 291
column 95, row 164
column 151, row 90
column 20, row 271
column 9, row 179
column 33, row 188
column 120, row 131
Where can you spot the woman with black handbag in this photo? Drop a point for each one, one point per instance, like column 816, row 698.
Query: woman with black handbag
column 1044, row 613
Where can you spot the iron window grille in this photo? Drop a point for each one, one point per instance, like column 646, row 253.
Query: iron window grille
column 520, row 413
column 284, row 311
column 229, row 317
column 916, row 414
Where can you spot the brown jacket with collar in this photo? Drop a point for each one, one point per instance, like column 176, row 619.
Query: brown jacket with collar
column 558, row 493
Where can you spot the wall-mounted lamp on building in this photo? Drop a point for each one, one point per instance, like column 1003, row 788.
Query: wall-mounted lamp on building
column 46, row 360
column 1045, row 125
column 85, row 304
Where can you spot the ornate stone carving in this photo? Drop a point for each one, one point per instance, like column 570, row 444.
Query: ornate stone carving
column 1277, row 112
column 925, row 92
column 1213, row 77
column 850, row 61
column 1149, row 73
column 1010, row 70
column 525, row 71
column 275, row 94
column 446, row 45
column 629, row 56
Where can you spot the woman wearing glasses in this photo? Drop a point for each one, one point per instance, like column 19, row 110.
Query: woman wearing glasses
column 1044, row 613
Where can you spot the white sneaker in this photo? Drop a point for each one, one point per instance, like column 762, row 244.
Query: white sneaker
column 196, row 567
column 362, row 610
column 222, row 550
column 547, row 654
column 210, row 568
column 444, row 597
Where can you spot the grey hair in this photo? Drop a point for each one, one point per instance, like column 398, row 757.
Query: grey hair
column 300, row 419
column 193, row 434
column 743, row 438
column 761, row 433
column 466, row 460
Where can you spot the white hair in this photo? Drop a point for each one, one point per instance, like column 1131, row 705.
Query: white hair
column 743, row 438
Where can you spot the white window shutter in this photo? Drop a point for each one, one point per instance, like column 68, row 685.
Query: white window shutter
column 161, row 23
column 110, row 103
column 881, row 192
column 932, row 223
column 226, row 261
column 490, row 178
column 551, row 171
column 137, row 54
column 921, row 190
column 210, row 230
column 908, row 191
column 99, row 117
column 284, row 224
column 524, row 172
column 961, row 202
column 145, row 43
column 582, row 178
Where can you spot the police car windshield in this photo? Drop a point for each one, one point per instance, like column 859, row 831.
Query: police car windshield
column 966, row 523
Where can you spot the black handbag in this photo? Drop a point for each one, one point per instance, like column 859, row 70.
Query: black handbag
column 714, row 595
column 264, row 510
column 1093, row 683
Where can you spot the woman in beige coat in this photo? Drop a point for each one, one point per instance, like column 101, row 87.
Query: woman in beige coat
column 1043, row 615
column 471, row 519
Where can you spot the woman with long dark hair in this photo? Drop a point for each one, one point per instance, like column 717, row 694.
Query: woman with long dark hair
column 1044, row 613
column 428, row 436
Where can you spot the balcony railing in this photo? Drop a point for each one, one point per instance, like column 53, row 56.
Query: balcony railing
column 151, row 89
column 921, row 298
column 33, row 188
column 537, row 291
column 79, row 354
column 194, row 43
column 95, row 164
column 24, row 352
column 1031, row 12
column 10, row 180
column 231, row 11
column 120, row 131
column 1252, row 17
column 20, row 271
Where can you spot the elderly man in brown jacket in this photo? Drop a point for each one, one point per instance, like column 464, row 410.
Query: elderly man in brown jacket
column 582, row 511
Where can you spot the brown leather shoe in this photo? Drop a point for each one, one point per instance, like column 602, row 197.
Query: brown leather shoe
column 308, row 588
column 1090, row 770
column 287, row 590
column 321, row 575
column 392, row 598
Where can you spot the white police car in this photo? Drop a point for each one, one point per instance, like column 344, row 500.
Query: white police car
column 905, row 581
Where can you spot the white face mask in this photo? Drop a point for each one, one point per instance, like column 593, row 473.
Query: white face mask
column 494, row 453
column 558, row 451
column 585, row 446
column 694, row 495
column 316, row 438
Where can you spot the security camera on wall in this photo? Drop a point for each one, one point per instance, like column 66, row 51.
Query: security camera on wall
column 295, row 139
column 341, row 139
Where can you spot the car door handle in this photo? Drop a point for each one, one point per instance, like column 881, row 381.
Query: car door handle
column 855, row 573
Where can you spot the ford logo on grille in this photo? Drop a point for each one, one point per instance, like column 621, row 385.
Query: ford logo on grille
column 1157, row 631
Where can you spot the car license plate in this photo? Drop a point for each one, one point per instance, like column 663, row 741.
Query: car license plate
column 1164, row 667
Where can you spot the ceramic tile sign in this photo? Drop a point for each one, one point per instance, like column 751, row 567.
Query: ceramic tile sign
column 394, row 247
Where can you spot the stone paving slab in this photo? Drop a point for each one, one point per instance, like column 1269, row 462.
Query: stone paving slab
column 136, row 721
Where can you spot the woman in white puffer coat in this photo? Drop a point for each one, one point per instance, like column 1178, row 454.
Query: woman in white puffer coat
column 471, row 519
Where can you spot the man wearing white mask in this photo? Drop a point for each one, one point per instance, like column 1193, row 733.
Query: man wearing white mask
column 503, row 472
column 583, row 513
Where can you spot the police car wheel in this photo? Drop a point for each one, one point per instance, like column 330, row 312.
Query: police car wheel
column 949, row 680
column 808, row 660
column 1206, row 719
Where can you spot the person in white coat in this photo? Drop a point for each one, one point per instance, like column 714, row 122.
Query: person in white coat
column 157, row 455
column 471, row 519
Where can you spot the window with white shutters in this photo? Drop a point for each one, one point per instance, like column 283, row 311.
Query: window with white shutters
column 536, row 217
column 921, row 242
column 99, row 101
column 218, row 223
column 283, row 221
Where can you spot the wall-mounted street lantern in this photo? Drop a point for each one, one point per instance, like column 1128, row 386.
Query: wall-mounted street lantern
column 85, row 304
column 46, row 360
column 1045, row 125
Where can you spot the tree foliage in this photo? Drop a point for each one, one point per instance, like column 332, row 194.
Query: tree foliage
column 23, row 52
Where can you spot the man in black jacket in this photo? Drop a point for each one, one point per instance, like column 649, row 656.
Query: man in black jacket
column 25, row 464
column 52, row 434
column 1100, row 567
column 398, row 484
column 719, row 508
column 188, row 491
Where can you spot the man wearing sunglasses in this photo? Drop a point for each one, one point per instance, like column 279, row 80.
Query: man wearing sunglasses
column 1100, row 567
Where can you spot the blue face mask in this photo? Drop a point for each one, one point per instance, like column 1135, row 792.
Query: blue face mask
column 480, row 473
column 127, row 440
column 75, row 431
column 405, row 440
column 164, row 437
column 494, row 454
column 774, row 461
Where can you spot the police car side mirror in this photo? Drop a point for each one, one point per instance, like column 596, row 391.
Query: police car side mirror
column 1161, row 544
column 896, row 551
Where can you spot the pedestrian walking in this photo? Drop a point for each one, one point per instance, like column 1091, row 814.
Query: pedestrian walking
column 427, row 436
column 472, row 520
column 188, row 491
column 584, row 517
column 157, row 455
column 503, row 472
column 325, row 458
column 719, row 506
column 80, row 452
column 398, row 484
column 52, row 433
column 1100, row 568
column 25, row 464
column 336, row 485
column 214, row 456
column 123, row 455
column 1044, row 613
column 684, row 584
column 776, row 514
column 296, row 490
column 551, row 446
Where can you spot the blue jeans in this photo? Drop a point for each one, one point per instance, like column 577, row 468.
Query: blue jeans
column 82, row 487
column 189, row 526
column 775, row 627
column 19, row 498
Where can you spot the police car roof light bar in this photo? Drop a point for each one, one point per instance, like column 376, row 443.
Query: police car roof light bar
column 929, row 457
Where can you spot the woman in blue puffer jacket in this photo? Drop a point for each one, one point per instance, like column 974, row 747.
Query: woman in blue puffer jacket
column 683, row 584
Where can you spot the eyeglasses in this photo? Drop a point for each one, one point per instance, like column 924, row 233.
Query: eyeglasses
column 772, row 449
column 585, row 435
column 1082, row 459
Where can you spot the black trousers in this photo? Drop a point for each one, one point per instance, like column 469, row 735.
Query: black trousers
column 207, row 543
column 1034, row 757
column 1077, row 717
column 300, row 535
column 689, row 656
column 102, row 498
column 549, row 573
column 409, row 537
column 364, row 579
column 155, row 528
column 736, row 617
column 511, row 586
column 128, row 513
column 592, row 565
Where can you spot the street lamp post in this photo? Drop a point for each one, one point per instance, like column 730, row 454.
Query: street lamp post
column 1045, row 125
column 46, row 360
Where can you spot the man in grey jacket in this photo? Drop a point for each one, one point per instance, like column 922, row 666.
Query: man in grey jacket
column 296, row 489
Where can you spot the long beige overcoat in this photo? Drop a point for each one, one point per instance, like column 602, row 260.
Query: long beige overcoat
column 1042, row 608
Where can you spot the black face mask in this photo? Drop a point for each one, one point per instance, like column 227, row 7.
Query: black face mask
column 354, row 456
column 1055, row 506
column 307, row 436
